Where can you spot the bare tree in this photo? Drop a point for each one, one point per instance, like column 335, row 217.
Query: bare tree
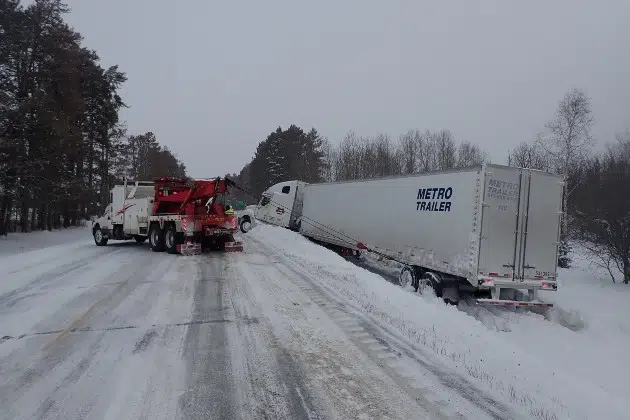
column 469, row 155
column 415, row 152
column 568, row 137
column 445, row 149
column 603, row 207
column 408, row 148
column 330, row 156
column 347, row 161
column 528, row 155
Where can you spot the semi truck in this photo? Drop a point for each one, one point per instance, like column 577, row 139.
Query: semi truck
column 176, row 215
column 491, row 231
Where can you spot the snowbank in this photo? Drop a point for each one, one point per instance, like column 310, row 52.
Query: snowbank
column 23, row 255
column 569, row 365
column 15, row 243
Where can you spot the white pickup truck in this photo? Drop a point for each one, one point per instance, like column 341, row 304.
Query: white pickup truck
column 127, row 214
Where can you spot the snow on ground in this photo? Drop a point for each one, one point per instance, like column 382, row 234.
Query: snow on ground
column 15, row 243
column 39, row 252
column 567, row 364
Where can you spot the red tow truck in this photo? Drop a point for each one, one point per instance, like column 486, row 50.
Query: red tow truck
column 176, row 215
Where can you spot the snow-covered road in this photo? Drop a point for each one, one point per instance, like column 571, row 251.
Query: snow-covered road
column 122, row 333
column 288, row 330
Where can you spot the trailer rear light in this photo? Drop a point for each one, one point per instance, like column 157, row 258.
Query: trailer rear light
column 539, row 277
column 493, row 274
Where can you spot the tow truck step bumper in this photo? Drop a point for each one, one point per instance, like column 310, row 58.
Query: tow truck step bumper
column 235, row 246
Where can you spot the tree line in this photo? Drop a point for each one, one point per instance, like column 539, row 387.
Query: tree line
column 62, row 144
column 296, row 154
column 597, row 192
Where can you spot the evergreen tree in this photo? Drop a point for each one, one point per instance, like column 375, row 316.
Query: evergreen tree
column 62, row 145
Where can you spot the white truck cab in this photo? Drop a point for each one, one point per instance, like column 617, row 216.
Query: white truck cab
column 280, row 205
column 126, row 215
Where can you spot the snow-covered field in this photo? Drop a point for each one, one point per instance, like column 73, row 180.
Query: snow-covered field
column 570, row 363
column 288, row 329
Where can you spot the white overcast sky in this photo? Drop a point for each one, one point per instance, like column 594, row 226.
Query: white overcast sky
column 213, row 78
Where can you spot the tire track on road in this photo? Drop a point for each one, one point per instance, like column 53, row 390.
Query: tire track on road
column 10, row 299
column 47, row 362
column 272, row 382
column 206, row 352
column 386, row 349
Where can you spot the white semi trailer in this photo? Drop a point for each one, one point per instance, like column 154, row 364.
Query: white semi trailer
column 492, row 229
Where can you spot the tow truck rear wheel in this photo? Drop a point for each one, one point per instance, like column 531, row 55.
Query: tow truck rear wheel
column 170, row 239
column 156, row 238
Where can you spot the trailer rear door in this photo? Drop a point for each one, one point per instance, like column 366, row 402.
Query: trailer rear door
column 541, row 226
column 502, row 198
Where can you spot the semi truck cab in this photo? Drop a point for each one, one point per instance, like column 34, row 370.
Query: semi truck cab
column 281, row 204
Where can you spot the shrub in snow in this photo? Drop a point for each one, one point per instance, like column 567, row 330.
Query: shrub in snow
column 564, row 260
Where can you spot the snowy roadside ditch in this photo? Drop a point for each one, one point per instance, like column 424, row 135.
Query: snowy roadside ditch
column 539, row 367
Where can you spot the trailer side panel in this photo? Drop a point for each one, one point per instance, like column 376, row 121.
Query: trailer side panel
column 425, row 220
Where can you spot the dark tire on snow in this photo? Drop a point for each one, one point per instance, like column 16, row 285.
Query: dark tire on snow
column 430, row 280
column 156, row 238
column 246, row 224
column 408, row 277
column 99, row 238
column 170, row 239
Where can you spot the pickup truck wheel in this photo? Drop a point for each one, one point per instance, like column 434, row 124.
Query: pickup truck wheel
column 407, row 277
column 99, row 238
column 170, row 241
column 245, row 225
column 156, row 238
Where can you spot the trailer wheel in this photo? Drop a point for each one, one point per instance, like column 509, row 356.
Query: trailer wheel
column 407, row 277
column 156, row 238
column 99, row 238
column 170, row 239
column 430, row 280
